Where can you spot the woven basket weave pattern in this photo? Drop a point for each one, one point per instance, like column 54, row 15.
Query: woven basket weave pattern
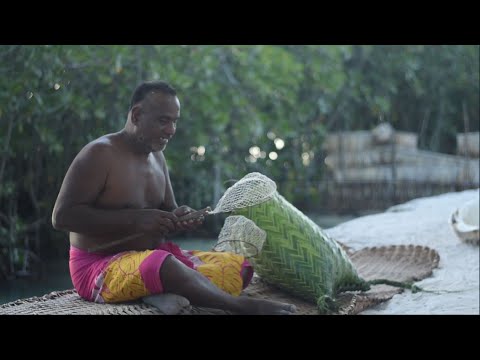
column 297, row 255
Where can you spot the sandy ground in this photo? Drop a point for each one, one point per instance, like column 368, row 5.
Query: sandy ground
column 423, row 221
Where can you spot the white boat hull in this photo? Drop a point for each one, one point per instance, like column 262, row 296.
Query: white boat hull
column 465, row 222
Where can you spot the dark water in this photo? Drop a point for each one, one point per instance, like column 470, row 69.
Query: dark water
column 58, row 277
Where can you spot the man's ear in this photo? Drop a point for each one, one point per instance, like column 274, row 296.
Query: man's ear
column 136, row 111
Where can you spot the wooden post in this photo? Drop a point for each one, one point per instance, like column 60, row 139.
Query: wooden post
column 466, row 130
column 393, row 167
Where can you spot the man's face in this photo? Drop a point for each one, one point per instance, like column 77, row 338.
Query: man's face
column 158, row 114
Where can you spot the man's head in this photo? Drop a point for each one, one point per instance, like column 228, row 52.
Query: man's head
column 153, row 114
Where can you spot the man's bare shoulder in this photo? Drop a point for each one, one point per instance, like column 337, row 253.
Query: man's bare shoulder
column 160, row 158
column 103, row 147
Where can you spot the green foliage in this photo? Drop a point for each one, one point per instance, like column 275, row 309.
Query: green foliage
column 56, row 98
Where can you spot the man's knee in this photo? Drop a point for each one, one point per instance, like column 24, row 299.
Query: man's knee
column 174, row 272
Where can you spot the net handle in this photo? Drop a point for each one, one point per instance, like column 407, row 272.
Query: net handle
column 234, row 240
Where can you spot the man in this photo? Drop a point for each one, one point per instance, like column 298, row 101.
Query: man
column 117, row 196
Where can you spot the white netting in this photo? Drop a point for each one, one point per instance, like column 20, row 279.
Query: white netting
column 241, row 236
column 252, row 189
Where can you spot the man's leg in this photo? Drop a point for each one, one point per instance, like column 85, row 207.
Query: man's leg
column 182, row 280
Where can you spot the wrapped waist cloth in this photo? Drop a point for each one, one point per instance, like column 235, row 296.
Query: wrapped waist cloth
column 132, row 275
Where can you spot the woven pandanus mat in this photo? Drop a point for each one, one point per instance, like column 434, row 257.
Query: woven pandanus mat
column 68, row 302
column 398, row 263
column 402, row 263
column 349, row 303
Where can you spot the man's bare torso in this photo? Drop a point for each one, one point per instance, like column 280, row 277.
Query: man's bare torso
column 133, row 182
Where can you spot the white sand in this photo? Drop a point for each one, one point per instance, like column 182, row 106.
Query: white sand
column 423, row 222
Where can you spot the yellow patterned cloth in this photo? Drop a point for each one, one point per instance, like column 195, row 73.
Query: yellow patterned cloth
column 122, row 278
column 223, row 269
column 135, row 274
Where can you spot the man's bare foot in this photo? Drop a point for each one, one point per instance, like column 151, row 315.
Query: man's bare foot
column 169, row 304
column 253, row 306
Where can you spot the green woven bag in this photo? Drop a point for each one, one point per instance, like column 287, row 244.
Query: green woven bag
column 297, row 255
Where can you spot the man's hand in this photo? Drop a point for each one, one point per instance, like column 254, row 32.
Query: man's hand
column 156, row 222
column 188, row 224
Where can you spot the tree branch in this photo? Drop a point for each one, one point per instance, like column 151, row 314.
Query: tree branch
column 5, row 149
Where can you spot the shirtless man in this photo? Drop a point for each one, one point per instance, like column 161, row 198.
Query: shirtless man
column 118, row 186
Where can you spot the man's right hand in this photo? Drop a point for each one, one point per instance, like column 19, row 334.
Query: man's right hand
column 157, row 222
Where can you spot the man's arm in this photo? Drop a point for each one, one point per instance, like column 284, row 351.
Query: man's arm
column 85, row 179
column 169, row 203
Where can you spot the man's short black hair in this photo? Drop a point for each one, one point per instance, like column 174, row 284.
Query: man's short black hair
column 148, row 87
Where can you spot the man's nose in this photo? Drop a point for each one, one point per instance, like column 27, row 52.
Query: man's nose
column 170, row 129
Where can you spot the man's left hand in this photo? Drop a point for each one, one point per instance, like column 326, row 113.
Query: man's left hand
column 187, row 225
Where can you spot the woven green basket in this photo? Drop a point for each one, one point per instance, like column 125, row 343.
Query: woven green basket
column 298, row 256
